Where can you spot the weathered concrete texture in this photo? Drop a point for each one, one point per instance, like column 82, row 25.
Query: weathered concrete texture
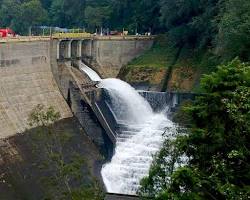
column 25, row 81
column 162, row 100
column 108, row 56
column 85, row 111
column 90, row 122
column 65, row 77
column 69, row 80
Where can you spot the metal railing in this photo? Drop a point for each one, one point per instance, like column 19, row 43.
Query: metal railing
column 71, row 35
column 74, row 36
column 24, row 39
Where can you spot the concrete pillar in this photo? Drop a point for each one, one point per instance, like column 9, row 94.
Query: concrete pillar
column 91, row 47
column 69, row 49
column 58, row 50
column 79, row 49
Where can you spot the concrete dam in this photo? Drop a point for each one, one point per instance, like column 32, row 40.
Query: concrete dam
column 33, row 72
column 125, row 127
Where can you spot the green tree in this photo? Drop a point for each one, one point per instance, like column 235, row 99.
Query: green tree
column 217, row 144
column 46, row 4
column 64, row 175
column 190, row 23
column 9, row 11
column 97, row 16
column 57, row 13
column 31, row 14
column 148, row 16
column 67, row 13
column 234, row 30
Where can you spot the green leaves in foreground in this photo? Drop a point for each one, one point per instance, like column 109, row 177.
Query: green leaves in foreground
column 65, row 174
column 217, row 145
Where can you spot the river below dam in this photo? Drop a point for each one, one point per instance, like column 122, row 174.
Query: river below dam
column 140, row 137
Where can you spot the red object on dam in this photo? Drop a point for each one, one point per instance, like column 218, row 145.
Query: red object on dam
column 7, row 32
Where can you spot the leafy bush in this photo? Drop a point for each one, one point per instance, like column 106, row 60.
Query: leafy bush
column 217, row 145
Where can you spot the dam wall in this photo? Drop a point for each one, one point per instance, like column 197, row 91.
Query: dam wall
column 107, row 56
column 91, row 124
column 75, row 87
column 26, row 80
column 72, row 82
column 31, row 73
column 167, row 101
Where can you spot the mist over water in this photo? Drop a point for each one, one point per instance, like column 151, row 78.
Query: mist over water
column 141, row 136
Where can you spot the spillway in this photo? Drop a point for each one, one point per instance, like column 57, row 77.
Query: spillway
column 140, row 135
column 90, row 72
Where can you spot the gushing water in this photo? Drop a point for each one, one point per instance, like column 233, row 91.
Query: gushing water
column 127, row 104
column 140, row 136
column 91, row 73
column 133, row 155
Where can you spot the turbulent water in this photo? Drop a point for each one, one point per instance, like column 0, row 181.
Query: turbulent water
column 140, row 136
column 127, row 104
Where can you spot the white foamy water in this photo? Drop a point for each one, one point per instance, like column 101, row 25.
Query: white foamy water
column 133, row 155
column 141, row 136
column 127, row 104
column 139, row 139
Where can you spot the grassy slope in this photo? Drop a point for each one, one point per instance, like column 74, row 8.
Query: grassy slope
column 153, row 65
column 189, row 68
column 159, row 56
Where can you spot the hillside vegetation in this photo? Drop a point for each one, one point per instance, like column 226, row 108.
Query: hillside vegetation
column 211, row 159
column 159, row 56
column 152, row 66
column 200, row 37
column 220, row 27
column 170, row 68
column 200, row 34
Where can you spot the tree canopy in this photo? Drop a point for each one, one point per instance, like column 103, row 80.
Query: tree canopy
column 193, row 24
column 216, row 147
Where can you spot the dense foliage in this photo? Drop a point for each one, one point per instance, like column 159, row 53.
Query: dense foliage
column 216, row 147
column 223, row 25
